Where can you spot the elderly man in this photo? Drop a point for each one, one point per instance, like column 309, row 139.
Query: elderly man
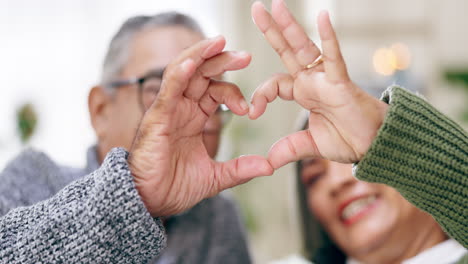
column 107, row 216
column 132, row 72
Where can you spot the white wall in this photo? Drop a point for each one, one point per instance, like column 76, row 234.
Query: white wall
column 50, row 55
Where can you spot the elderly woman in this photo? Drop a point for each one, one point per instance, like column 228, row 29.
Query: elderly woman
column 416, row 157
column 108, row 215
column 345, row 220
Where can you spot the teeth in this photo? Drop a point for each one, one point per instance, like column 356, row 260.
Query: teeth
column 356, row 206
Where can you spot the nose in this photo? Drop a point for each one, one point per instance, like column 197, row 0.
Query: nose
column 340, row 178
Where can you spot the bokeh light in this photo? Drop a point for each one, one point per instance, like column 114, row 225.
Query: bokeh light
column 387, row 61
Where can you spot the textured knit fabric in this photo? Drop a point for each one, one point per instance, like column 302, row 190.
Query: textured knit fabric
column 210, row 232
column 424, row 155
column 414, row 147
column 98, row 218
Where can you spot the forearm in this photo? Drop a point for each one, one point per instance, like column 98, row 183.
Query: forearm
column 99, row 218
column 422, row 154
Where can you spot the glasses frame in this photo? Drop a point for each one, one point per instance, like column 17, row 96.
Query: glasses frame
column 139, row 82
column 222, row 110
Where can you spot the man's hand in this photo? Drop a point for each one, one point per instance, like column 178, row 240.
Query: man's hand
column 343, row 119
column 171, row 167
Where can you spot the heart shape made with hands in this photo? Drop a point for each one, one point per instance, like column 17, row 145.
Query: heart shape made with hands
column 168, row 156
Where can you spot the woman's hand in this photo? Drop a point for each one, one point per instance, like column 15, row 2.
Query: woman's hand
column 343, row 118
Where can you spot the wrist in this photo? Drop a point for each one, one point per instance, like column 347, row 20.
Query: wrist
column 370, row 113
column 376, row 118
column 139, row 186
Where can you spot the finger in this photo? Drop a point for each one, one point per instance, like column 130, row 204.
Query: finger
column 304, row 49
column 292, row 148
column 165, row 104
column 198, row 53
column 215, row 66
column 202, row 50
column 220, row 92
column 273, row 35
column 335, row 67
column 240, row 170
column 279, row 85
column 226, row 61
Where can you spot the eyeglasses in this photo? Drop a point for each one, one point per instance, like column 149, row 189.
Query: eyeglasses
column 148, row 89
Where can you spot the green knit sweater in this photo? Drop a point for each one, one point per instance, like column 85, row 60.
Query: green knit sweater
column 424, row 155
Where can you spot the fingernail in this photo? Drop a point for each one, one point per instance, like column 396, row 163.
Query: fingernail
column 262, row 4
column 244, row 105
column 252, row 110
column 216, row 38
column 241, row 53
column 325, row 13
column 208, row 51
column 185, row 65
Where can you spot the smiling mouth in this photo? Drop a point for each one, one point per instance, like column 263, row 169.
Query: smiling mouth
column 357, row 209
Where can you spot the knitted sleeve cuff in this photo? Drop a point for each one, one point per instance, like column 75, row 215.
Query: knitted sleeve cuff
column 97, row 218
column 136, row 232
column 423, row 155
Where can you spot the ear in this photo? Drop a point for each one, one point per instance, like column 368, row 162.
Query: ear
column 98, row 103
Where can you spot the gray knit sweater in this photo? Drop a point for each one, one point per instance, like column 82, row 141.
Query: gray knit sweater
column 99, row 218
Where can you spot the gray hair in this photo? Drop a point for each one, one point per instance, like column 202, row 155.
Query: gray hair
column 117, row 53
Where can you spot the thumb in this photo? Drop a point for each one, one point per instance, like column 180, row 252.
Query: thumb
column 240, row 170
column 291, row 148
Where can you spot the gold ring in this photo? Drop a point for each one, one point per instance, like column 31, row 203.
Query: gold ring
column 318, row 61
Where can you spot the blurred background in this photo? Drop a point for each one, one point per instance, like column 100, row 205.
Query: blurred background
column 51, row 53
